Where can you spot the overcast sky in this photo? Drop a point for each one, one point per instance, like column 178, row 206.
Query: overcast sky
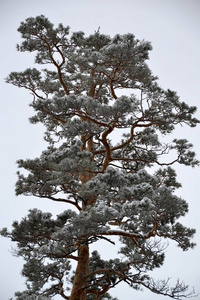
column 173, row 27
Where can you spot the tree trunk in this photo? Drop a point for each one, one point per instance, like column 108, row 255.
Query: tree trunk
column 78, row 292
column 82, row 269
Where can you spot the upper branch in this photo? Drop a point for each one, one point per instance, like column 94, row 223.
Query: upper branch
column 107, row 146
column 58, row 66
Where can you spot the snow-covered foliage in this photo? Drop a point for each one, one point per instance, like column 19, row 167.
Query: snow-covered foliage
column 105, row 182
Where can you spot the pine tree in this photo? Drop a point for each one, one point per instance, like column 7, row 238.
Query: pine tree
column 106, row 120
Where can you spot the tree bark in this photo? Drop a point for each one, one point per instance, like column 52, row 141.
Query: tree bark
column 82, row 269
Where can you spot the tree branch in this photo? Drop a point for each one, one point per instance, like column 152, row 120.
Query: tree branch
column 60, row 200
column 107, row 147
column 56, row 64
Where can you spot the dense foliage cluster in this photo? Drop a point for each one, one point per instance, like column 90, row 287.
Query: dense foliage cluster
column 106, row 118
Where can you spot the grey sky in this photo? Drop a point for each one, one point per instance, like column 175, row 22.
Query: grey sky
column 173, row 27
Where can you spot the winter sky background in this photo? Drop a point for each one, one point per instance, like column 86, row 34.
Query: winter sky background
column 173, row 27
